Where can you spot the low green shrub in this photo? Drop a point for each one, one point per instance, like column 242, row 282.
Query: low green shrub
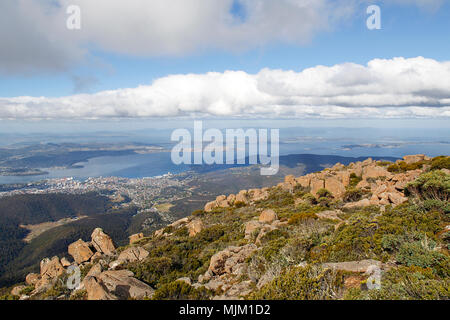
column 422, row 255
column 352, row 195
column 442, row 162
column 406, row 283
column 434, row 185
column 302, row 283
column 180, row 290
column 354, row 180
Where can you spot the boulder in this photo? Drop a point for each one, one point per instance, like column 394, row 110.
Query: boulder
column 258, row 194
column 344, row 177
column 133, row 254
column 122, row 284
column 95, row 270
column 268, row 216
column 316, row 185
column 250, row 227
column 290, row 180
column 17, row 290
column 359, row 204
column 51, row 268
column 96, row 256
column 357, row 169
column 97, row 290
column 337, row 167
column 179, row 223
column 80, row 251
column 136, row 237
column 102, row 242
column 375, row 171
column 224, row 261
column 65, row 263
column 185, row 280
column 304, row 181
column 231, row 199
column 374, row 200
column 329, row 214
column 397, row 198
column 380, row 189
column 414, row 158
column 32, row 278
column 336, row 187
column 286, row 186
column 242, row 197
column 363, row 184
column 195, row 227
column 210, row 206
column 221, row 198
column 222, row 201
column 354, row 266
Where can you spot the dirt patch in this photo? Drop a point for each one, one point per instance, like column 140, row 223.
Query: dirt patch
column 37, row 229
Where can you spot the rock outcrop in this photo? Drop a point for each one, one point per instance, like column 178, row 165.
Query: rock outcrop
column 102, row 242
column 195, row 227
column 268, row 216
column 133, row 254
column 136, row 237
column 122, row 285
column 80, row 251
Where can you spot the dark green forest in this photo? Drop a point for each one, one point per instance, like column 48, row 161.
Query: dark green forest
column 18, row 257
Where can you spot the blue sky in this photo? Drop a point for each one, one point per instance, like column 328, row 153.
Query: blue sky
column 407, row 31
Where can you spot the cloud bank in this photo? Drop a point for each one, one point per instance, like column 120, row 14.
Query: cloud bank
column 395, row 88
column 34, row 37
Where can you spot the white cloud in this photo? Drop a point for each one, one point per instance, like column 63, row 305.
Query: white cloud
column 395, row 88
column 34, row 37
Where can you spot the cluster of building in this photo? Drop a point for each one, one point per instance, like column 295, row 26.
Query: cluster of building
column 141, row 192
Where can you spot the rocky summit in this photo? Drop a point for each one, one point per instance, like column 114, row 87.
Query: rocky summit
column 368, row 230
